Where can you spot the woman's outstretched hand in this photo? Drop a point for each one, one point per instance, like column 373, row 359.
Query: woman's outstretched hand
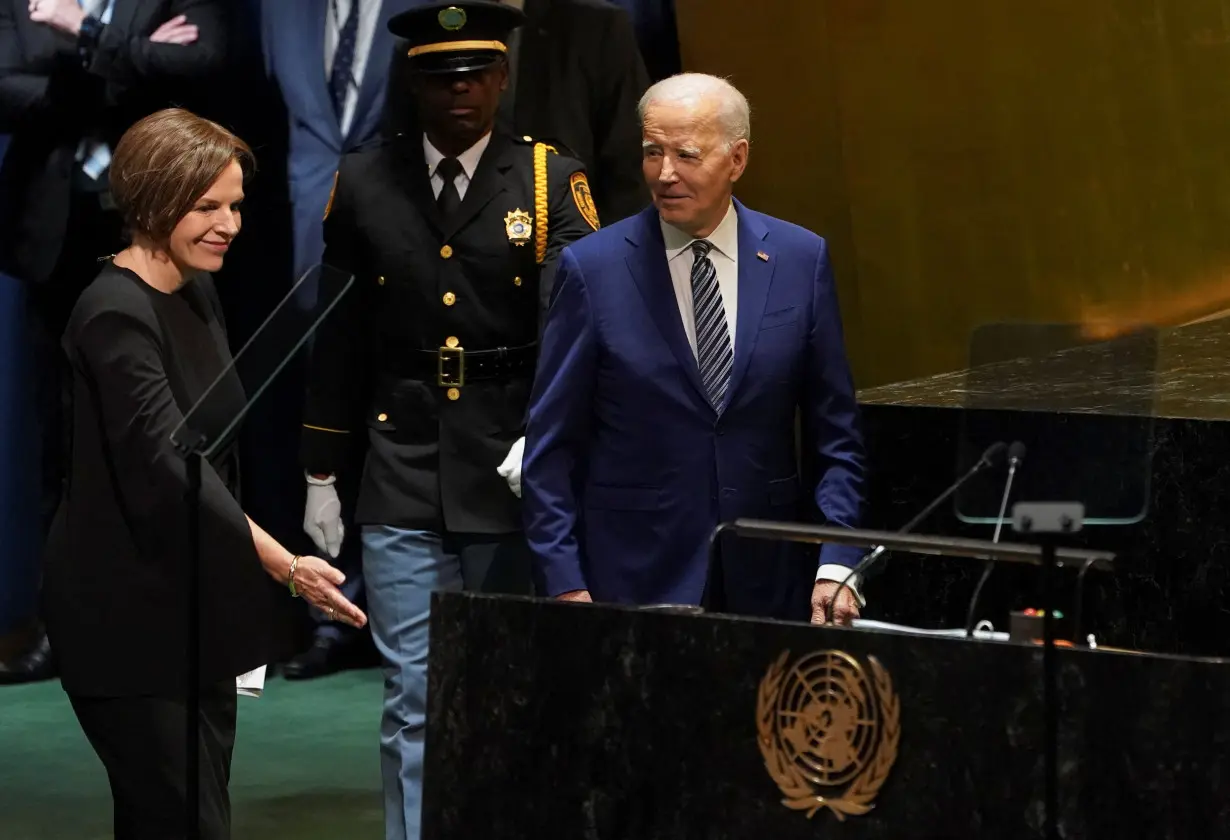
column 317, row 582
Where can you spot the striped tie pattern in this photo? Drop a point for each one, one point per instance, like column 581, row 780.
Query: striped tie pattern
column 340, row 78
column 713, row 352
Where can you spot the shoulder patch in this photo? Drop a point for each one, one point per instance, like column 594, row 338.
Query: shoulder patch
column 332, row 193
column 584, row 199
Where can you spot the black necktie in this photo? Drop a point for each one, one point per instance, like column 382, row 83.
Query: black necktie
column 449, row 199
column 343, row 58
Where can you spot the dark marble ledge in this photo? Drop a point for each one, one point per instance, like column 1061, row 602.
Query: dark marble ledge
column 1074, row 655
column 1183, row 377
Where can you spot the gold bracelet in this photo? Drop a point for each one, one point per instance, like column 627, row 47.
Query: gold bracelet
column 291, row 582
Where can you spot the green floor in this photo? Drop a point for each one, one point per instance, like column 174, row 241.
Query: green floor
column 306, row 764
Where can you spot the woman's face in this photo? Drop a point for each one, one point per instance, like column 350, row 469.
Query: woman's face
column 201, row 239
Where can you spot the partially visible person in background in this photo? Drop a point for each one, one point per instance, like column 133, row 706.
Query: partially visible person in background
column 145, row 340
column 575, row 75
column 73, row 76
column 319, row 54
column 657, row 34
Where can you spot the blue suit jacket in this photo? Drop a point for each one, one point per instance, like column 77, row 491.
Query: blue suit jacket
column 628, row 469
column 293, row 42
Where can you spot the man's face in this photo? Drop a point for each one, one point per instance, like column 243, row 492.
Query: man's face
column 689, row 170
column 461, row 105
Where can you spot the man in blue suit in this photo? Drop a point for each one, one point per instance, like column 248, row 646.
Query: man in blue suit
column 679, row 346
column 330, row 60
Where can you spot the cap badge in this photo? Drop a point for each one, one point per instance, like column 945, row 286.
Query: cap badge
column 452, row 18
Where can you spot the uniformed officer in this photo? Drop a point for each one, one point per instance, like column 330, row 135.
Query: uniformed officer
column 451, row 237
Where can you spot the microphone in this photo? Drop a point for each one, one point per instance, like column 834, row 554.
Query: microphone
column 991, row 456
column 1016, row 454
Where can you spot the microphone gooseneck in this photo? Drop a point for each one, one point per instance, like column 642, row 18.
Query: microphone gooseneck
column 991, row 456
column 1016, row 454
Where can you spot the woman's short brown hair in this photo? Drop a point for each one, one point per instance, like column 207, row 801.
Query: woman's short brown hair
column 164, row 163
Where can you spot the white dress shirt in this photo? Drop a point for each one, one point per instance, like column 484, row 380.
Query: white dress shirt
column 725, row 259
column 335, row 16
column 468, row 159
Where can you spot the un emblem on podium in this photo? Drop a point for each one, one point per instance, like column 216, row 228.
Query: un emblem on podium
column 828, row 729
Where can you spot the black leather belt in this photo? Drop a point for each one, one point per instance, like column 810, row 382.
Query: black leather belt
column 457, row 366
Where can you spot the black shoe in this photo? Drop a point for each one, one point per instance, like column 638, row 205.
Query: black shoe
column 35, row 666
column 325, row 656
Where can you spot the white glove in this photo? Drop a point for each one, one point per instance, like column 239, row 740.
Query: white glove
column 322, row 516
column 510, row 470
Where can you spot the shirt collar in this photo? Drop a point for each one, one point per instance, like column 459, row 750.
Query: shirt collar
column 725, row 237
column 468, row 159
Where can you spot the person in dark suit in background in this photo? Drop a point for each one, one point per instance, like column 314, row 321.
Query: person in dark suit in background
column 73, row 77
column 575, row 75
column 452, row 236
column 679, row 347
column 657, row 34
column 145, row 341
column 328, row 60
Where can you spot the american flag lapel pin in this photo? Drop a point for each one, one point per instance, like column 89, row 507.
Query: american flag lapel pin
column 763, row 256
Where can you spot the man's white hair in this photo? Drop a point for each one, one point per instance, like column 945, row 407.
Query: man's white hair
column 733, row 113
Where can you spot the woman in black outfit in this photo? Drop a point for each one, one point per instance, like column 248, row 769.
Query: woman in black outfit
column 145, row 340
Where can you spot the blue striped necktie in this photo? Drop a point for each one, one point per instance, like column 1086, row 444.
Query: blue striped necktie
column 340, row 78
column 713, row 352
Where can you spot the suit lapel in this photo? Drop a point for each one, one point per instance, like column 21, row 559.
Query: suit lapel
column 411, row 169
column 487, row 183
column 375, row 76
column 650, row 271
column 755, row 275
column 123, row 16
column 306, row 43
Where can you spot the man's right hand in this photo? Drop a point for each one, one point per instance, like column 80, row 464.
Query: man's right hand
column 322, row 516
column 177, row 30
column 580, row 596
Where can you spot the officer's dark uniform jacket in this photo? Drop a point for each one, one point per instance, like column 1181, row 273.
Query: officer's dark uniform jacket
column 439, row 421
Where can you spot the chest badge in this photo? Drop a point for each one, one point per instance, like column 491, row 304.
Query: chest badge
column 519, row 223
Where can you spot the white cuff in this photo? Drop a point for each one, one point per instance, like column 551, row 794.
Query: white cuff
column 837, row 573
column 320, row 482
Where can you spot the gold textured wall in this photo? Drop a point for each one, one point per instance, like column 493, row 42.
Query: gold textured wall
column 974, row 161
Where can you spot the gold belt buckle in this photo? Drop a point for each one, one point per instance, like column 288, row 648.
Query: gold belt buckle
column 451, row 367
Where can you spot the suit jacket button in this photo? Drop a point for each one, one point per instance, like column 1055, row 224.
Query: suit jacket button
column 454, row 393
column 449, row 298
column 382, row 417
column 380, row 280
column 446, row 251
column 516, row 281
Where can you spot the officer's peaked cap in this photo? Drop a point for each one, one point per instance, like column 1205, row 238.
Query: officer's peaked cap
column 456, row 37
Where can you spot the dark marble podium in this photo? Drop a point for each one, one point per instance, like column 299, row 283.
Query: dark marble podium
column 1171, row 591
column 549, row 720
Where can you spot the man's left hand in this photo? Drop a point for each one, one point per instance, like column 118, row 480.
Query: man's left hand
column 511, row 468
column 844, row 611
column 64, row 15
